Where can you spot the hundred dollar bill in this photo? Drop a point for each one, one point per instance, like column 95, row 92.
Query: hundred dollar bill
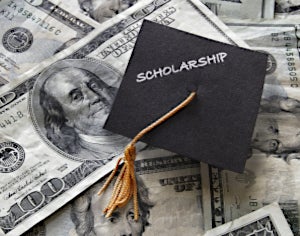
column 272, row 173
column 249, row 9
column 268, row 220
column 170, row 203
column 52, row 142
column 33, row 30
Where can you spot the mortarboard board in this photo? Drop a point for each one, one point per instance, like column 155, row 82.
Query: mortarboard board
column 165, row 66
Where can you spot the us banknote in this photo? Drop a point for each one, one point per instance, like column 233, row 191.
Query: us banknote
column 249, row 9
column 53, row 149
column 268, row 220
column 170, row 203
column 34, row 30
column 272, row 173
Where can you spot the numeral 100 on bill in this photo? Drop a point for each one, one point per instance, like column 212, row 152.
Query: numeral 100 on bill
column 34, row 200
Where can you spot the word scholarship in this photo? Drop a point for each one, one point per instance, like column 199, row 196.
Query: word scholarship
column 184, row 66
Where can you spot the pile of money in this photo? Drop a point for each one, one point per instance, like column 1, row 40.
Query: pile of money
column 61, row 63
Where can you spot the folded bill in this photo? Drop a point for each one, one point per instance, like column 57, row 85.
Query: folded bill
column 170, row 203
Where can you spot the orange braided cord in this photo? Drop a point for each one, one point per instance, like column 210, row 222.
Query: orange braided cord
column 126, row 186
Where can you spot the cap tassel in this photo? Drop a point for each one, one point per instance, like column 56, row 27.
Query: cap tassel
column 126, row 186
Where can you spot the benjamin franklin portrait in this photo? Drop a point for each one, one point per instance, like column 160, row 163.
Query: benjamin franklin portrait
column 70, row 103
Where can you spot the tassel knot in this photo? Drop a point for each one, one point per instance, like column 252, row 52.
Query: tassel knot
column 130, row 153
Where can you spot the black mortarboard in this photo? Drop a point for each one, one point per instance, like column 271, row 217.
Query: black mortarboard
column 165, row 66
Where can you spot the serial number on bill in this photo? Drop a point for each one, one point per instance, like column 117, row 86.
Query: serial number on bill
column 17, row 10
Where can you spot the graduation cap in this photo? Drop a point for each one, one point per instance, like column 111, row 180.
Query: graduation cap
column 165, row 66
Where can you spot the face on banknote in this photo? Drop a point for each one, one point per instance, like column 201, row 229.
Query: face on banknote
column 53, row 145
column 32, row 31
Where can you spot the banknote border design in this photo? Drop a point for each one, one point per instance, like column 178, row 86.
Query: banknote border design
column 175, row 162
column 266, row 218
column 216, row 192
